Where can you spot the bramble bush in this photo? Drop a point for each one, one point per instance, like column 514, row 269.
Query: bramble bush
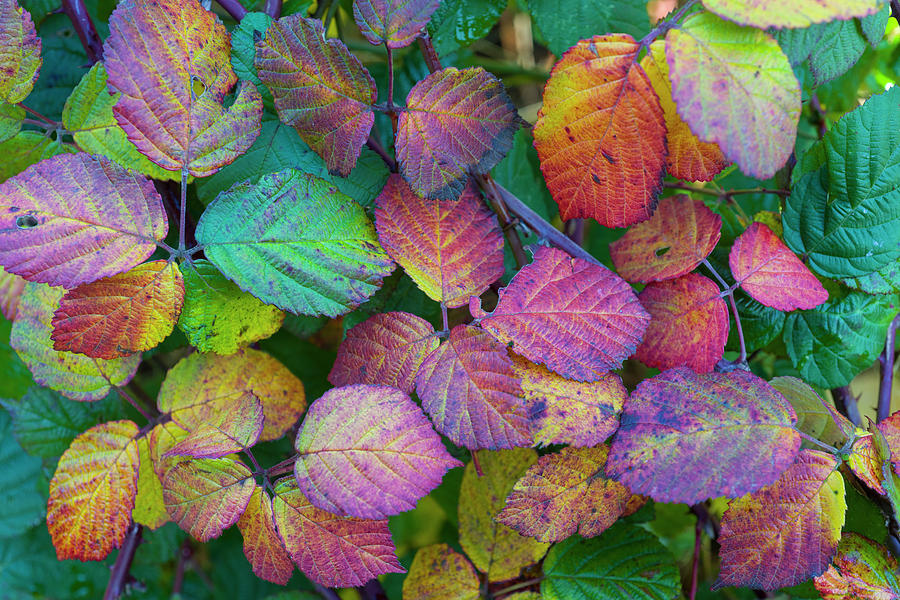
column 429, row 307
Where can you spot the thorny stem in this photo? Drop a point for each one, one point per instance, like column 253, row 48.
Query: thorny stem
column 119, row 577
column 378, row 149
column 430, row 54
column 234, row 9
column 182, row 210
column 729, row 291
column 517, row 586
column 722, row 193
column 84, row 27
column 273, row 8
column 846, row 403
column 887, row 372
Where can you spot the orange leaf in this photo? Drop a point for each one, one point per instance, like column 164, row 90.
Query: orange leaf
column 262, row 544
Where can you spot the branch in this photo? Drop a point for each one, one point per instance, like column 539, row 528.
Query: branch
column 431, row 56
column 84, row 27
column 120, row 577
column 234, row 9
column 887, row 372
column 378, row 149
column 273, row 8
column 846, row 403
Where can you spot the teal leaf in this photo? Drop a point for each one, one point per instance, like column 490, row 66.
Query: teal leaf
column 243, row 50
column 563, row 22
column 23, row 505
column 295, row 241
column 885, row 280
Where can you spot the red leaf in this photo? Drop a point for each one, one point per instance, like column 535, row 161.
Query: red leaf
column 470, row 391
column 688, row 324
column 679, row 235
column 890, row 428
column 397, row 23
column 767, row 270
column 452, row 249
column 578, row 318
column 600, row 134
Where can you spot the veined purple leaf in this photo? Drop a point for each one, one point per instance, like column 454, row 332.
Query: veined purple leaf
column 368, row 451
column 396, row 23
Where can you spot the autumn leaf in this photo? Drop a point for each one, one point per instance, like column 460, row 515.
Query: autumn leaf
column 92, row 492
column 673, row 242
column 294, row 241
column 396, row 23
column 149, row 507
column 685, row 437
column 567, row 493
column 601, row 132
column 861, row 569
column 816, row 416
column 470, row 391
column 232, row 428
column 320, row 89
column 385, row 349
column 262, row 545
column 494, row 548
column 170, row 60
column 75, row 218
column 20, row 52
column 577, row 318
column 11, row 288
column 331, row 550
column 865, row 462
column 735, row 87
column 786, row 532
column 890, row 428
column 797, row 13
column 452, row 249
column 767, row 270
column 382, row 444
column 688, row 324
column 439, row 573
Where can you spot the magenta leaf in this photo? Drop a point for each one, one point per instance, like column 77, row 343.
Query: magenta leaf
column 396, row 23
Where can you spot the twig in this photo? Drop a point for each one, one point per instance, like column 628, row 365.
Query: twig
column 273, row 8
column 729, row 291
column 517, row 586
column 695, row 562
column 84, row 27
column 887, row 372
column 326, row 593
column 431, row 56
column 507, row 223
column 847, row 404
column 378, row 149
column 119, row 577
column 234, row 9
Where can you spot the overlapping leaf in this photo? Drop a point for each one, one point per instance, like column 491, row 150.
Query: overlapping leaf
column 563, row 411
column 75, row 218
column 396, row 23
column 294, row 241
column 890, row 428
column 470, row 391
column 562, row 24
column 319, row 88
column 734, row 86
column 439, row 573
column 732, row 431
column 170, row 59
column 11, row 118
column 385, row 349
column 688, row 158
column 149, row 506
column 767, row 270
column 861, row 569
column 27, row 148
column 368, row 451
column 787, row 532
column 11, row 288
column 577, row 318
column 201, row 384
column 120, row 315
column 798, row 13
column 816, row 416
column 865, row 462
column 601, row 133
column 494, row 548
column 262, row 544
column 452, row 249
column 455, row 122
column 75, row 376
column 20, row 52
column 566, row 493
column 331, row 550
column 231, row 429
column 92, row 492
column 688, row 324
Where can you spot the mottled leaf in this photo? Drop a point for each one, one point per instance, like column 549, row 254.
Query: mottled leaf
column 206, row 496
column 470, row 391
column 563, row 411
column 685, row 437
column 625, row 563
column 20, row 52
column 219, row 317
column 787, row 532
column 440, row 573
column 294, row 241
column 75, row 376
column 231, row 429
column 816, row 416
column 797, row 13
column 396, row 23
column 117, row 316
column 688, row 324
column 149, row 506
column 577, row 318
column 368, row 451
column 734, row 86
column 861, row 569
column 11, row 288
column 385, row 349
column 196, row 384
column 331, row 550
column 865, row 462
column 75, row 218
column 262, row 544
column 452, row 249
column 601, row 133
column 767, row 270
column 170, row 59
column 563, row 494
column 494, row 548
column 92, row 492
column 320, row 89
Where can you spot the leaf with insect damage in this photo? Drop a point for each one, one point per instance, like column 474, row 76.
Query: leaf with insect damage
column 262, row 545
column 861, row 569
column 20, row 52
column 440, row 573
column 395, row 23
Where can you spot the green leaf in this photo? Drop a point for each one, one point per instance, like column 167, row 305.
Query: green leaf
column 564, row 23
column 243, row 50
column 458, row 23
column 23, row 505
column 832, row 47
column 520, row 173
column 885, row 280
column 844, row 209
column 834, row 342
column 625, row 563
column 296, row 242
column 27, row 148
column 761, row 324
column 16, row 377
column 10, row 120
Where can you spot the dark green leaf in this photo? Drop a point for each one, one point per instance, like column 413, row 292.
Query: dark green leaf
column 458, row 23
column 564, row 22
column 23, row 506
column 761, row 324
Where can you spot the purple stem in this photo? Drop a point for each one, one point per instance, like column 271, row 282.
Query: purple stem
column 119, row 576
column 372, row 591
column 666, row 24
column 233, row 8
column 378, row 149
column 887, row 372
column 846, row 403
column 326, row 593
column 273, row 8
column 695, row 563
column 84, row 27
column 431, row 56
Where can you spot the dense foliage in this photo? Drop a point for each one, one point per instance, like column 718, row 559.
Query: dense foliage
column 449, row 299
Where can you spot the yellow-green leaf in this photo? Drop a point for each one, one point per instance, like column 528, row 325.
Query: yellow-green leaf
column 440, row 573
column 149, row 508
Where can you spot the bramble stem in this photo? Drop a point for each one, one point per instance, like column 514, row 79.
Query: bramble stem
column 517, row 586
column 846, row 403
column 46, row 120
column 392, row 113
column 119, row 576
column 826, row 447
column 182, row 210
column 256, row 468
column 431, row 56
column 273, row 8
column 665, row 25
column 444, row 317
column 723, row 193
column 285, row 466
column 695, row 561
column 84, row 27
column 729, row 291
column 234, row 9
column 378, row 149
column 134, row 403
column 887, row 372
